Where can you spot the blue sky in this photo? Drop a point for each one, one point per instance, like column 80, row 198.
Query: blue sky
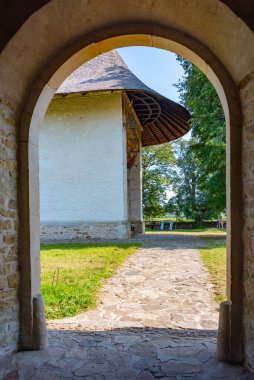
column 157, row 68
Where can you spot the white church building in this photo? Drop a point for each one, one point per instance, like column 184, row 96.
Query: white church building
column 90, row 151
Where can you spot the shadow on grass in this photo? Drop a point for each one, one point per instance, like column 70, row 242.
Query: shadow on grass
column 153, row 240
column 167, row 241
column 212, row 242
column 76, row 246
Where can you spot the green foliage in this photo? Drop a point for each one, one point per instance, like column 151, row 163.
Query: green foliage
column 189, row 200
column 156, row 164
column 73, row 273
column 200, row 174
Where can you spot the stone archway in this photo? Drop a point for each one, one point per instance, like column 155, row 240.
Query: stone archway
column 202, row 39
column 30, row 159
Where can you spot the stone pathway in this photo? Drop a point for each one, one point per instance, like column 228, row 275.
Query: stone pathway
column 156, row 319
column 164, row 284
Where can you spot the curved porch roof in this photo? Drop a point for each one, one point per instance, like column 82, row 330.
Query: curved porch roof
column 162, row 119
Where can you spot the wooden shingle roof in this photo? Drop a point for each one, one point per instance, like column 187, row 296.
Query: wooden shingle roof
column 162, row 119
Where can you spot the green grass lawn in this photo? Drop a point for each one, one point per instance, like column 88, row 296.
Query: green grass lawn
column 71, row 274
column 214, row 257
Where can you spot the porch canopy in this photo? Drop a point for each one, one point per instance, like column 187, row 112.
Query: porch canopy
column 162, row 120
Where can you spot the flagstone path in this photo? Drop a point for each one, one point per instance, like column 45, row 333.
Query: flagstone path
column 155, row 319
column 164, row 284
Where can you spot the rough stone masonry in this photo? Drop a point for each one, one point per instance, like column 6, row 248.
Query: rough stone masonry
column 9, row 307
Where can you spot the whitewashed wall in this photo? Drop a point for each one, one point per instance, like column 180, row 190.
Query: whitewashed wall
column 83, row 165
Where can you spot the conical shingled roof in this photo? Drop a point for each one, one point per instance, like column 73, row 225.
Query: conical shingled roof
column 162, row 119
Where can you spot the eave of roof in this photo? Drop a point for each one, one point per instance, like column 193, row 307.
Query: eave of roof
column 162, row 119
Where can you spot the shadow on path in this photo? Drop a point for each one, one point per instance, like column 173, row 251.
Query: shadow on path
column 131, row 353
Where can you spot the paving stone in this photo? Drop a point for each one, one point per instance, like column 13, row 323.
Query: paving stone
column 145, row 375
column 93, row 368
column 55, row 351
column 13, row 375
column 166, row 354
column 75, row 353
column 128, row 374
column 58, row 363
column 67, row 375
column 147, row 362
column 32, row 358
column 143, row 348
column 45, row 373
column 53, row 342
column 176, row 367
column 27, row 372
column 86, row 342
column 97, row 376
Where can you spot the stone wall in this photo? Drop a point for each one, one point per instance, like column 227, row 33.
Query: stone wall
column 78, row 232
column 9, row 310
column 247, row 94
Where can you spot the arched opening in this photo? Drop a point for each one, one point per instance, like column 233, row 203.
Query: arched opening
column 33, row 324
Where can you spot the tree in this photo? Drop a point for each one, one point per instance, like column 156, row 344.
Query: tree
column 192, row 196
column 208, row 146
column 157, row 164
